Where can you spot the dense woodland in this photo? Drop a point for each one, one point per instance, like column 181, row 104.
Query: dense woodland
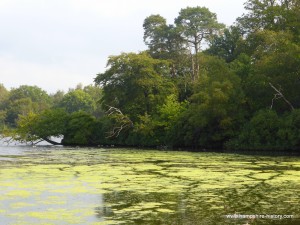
column 198, row 85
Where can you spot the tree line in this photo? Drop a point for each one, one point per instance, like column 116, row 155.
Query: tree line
column 198, row 85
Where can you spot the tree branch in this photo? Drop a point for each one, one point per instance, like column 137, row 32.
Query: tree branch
column 279, row 95
column 122, row 119
column 51, row 142
column 6, row 140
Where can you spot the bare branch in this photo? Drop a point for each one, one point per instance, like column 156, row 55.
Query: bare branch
column 123, row 122
column 279, row 95
column 113, row 110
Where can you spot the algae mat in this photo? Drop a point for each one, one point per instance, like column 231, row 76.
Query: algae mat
column 56, row 185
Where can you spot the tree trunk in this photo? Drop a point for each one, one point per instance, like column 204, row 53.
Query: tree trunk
column 51, row 142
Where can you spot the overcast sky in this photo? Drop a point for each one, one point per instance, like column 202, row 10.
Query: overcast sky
column 56, row 44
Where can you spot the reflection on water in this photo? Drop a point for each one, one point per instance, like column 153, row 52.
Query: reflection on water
column 47, row 185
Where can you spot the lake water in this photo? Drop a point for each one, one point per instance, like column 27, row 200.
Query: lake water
column 57, row 185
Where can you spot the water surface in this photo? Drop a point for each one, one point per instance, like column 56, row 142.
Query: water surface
column 56, row 185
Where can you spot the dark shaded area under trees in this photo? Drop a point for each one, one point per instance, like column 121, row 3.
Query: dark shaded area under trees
column 199, row 85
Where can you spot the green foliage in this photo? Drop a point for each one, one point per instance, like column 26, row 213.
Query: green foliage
column 146, row 132
column 57, row 98
column 170, row 115
column 155, row 29
column 216, row 108
column 260, row 133
column 228, row 45
column 34, row 93
column 135, row 83
column 79, row 129
column 4, row 93
column 197, row 24
column 96, row 94
column 19, row 107
column 26, row 99
column 49, row 123
column 289, row 131
column 158, row 129
column 101, row 132
column 2, row 119
column 77, row 100
column 275, row 60
column 273, row 15
column 268, row 131
column 164, row 41
column 241, row 66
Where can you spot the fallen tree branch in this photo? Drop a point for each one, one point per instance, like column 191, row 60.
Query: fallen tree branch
column 279, row 95
column 122, row 120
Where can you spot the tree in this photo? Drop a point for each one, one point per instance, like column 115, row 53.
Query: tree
column 19, row 107
column 289, row 131
column 96, row 93
column 276, row 15
column 155, row 29
column 26, row 99
column 275, row 60
column 227, row 45
column 77, row 100
column 135, row 83
column 4, row 93
column 261, row 132
column 165, row 42
column 79, row 129
column 216, row 107
column 160, row 129
column 57, row 97
column 197, row 24
column 34, row 127
column 35, row 94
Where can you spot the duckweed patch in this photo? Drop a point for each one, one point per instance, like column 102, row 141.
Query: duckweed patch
column 99, row 186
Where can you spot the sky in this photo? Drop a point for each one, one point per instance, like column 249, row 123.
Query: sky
column 57, row 44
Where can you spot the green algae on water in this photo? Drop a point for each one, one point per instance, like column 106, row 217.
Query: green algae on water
column 99, row 186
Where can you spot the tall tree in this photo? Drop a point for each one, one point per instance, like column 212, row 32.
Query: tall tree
column 197, row 24
column 155, row 29
column 135, row 83
column 276, row 15
column 165, row 42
